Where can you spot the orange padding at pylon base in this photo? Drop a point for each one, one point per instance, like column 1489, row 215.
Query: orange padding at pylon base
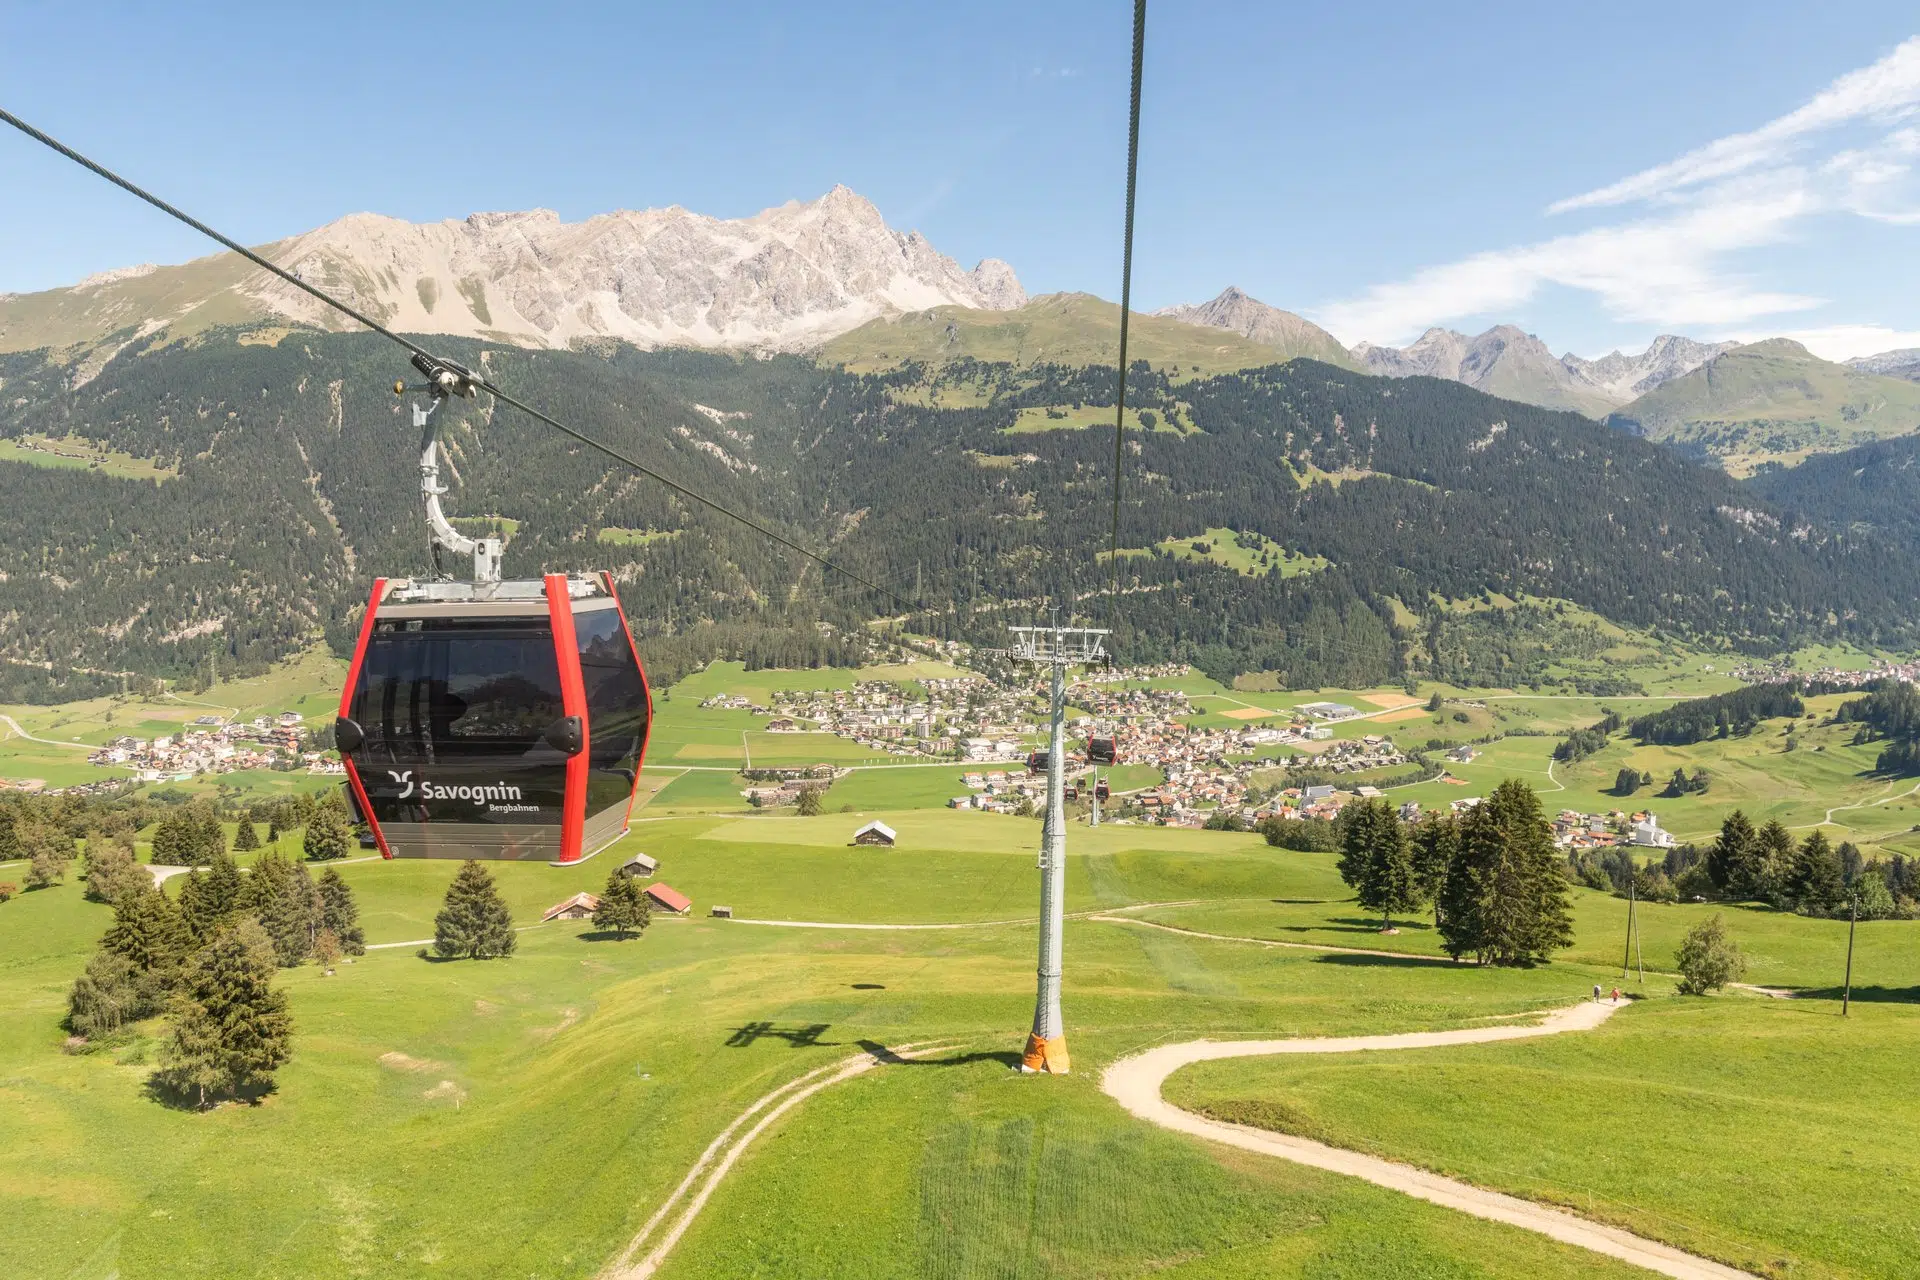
column 1046, row 1055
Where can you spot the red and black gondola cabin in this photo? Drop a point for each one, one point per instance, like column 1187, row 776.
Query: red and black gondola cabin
column 495, row 720
column 1037, row 762
column 1102, row 751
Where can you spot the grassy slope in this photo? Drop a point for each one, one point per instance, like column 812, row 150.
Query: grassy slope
column 591, row 1074
column 1057, row 328
column 77, row 454
column 1732, row 1127
column 1774, row 401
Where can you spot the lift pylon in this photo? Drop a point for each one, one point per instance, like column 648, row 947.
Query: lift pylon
column 1055, row 648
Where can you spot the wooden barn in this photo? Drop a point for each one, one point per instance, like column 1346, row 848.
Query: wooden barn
column 580, row 906
column 876, row 832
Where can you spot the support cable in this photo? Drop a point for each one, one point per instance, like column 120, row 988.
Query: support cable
column 1126, row 299
column 428, row 362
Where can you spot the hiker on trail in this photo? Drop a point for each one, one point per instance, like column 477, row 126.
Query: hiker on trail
column 1596, row 993
column 1616, row 995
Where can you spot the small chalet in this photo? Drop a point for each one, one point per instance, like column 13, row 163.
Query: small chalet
column 639, row 865
column 876, row 832
column 580, row 906
column 723, row 913
column 667, row 898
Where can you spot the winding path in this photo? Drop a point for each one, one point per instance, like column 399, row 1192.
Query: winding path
column 1135, row 1082
column 718, row 1159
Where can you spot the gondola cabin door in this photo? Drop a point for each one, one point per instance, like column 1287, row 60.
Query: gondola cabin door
column 495, row 720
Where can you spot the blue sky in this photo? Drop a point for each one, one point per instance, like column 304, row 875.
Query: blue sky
column 1595, row 176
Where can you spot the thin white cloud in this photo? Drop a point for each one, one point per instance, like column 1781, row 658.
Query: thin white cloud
column 1655, row 271
column 1840, row 341
column 1674, row 265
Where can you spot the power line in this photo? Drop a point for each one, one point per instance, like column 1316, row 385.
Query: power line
column 1126, row 294
column 431, row 360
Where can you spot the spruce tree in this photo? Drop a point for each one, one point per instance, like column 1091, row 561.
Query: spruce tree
column 9, row 840
column 623, row 906
column 474, row 921
column 209, row 836
column 246, row 837
column 231, row 1028
column 209, row 899
column 1774, row 856
column 1505, row 901
column 1813, row 883
column 1376, row 861
column 148, row 932
column 328, row 834
column 1734, row 860
column 1435, row 842
column 283, row 898
column 340, row 914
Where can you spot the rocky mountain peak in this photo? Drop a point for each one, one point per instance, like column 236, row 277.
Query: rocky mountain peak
column 787, row 278
column 1235, row 309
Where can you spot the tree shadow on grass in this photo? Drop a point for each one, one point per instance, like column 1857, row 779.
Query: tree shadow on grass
column 1301, row 902
column 158, row 1090
column 1387, row 962
column 1005, row 1057
column 610, row 935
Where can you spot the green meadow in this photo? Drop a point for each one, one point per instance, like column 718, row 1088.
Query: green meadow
column 559, row 1096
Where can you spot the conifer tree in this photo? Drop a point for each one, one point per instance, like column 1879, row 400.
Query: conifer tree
column 1435, row 842
column 210, row 899
column 474, row 921
column 246, row 837
column 1734, row 860
column 231, row 1028
column 283, row 898
column 340, row 914
column 1376, row 861
column 328, row 834
column 9, row 840
column 1505, row 901
column 1813, row 883
column 623, row 906
column 1775, row 853
column 148, row 932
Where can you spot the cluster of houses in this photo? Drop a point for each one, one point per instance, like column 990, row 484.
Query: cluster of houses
column 212, row 744
column 783, row 786
column 1575, row 830
column 1782, row 672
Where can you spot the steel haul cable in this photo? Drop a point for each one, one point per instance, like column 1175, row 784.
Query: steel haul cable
column 480, row 382
column 1126, row 297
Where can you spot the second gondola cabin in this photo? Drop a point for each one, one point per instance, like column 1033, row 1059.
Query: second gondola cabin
column 495, row 719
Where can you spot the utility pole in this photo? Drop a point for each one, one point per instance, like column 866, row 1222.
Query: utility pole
column 1056, row 648
column 1626, row 958
column 1853, row 919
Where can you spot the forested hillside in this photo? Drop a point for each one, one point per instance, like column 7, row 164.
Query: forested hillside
column 969, row 489
column 1873, row 488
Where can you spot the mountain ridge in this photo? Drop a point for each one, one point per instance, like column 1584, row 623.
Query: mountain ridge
column 1771, row 402
column 785, row 279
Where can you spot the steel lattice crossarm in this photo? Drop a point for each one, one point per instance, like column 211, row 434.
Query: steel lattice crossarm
column 1063, row 646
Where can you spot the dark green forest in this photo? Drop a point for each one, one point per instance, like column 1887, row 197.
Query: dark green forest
column 297, row 485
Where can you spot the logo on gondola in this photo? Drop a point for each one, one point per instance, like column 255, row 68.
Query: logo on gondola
column 406, row 777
